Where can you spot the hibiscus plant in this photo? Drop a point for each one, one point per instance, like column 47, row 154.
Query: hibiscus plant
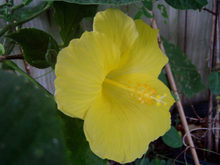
column 112, row 99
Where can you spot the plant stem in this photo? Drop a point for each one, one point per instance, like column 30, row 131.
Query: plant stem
column 5, row 29
column 34, row 16
column 9, row 63
column 10, row 26
column 17, row 7
column 4, row 4
column 209, row 11
column 11, row 57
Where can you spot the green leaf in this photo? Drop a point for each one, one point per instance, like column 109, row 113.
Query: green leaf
column 169, row 162
column 2, row 49
column 214, row 82
column 51, row 57
column 24, row 14
column 27, row 12
column 103, row 2
column 31, row 132
column 9, row 17
column 146, row 13
column 148, row 4
column 79, row 150
column 163, row 10
column 68, row 16
column 26, row 2
column 162, row 77
column 34, row 43
column 138, row 15
column 174, row 96
column 157, row 162
column 172, row 138
column 185, row 73
column 187, row 4
column 143, row 161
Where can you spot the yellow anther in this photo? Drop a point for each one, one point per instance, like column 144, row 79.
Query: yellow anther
column 158, row 97
column 144, row 93
column 158, row 104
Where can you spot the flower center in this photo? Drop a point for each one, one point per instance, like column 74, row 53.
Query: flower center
column 143, row 93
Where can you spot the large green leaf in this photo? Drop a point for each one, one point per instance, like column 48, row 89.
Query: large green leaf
column 79, row 150
column 187, row 4
column 68, row 16
column 185, row 73
column 31, row 131
column 172, row 138
column 214, row 82
column 148, row 4
column 35, row 43
column 104, row 2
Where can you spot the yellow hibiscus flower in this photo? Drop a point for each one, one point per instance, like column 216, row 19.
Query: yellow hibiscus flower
column 109, row 78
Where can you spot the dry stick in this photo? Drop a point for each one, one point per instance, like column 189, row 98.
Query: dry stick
column 212, row 52
column 178, row 103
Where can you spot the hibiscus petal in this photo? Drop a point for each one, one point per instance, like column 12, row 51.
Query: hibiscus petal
column 117, row 26
column 120, row 128
column 145, row 55
column 80, row 70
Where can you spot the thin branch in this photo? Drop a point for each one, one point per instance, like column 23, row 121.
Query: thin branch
column 180, row 154
column 17, row 7
column 196, row 129
column 205, row 9
column 10, row 26
column 194, row 109
column 12, row 57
